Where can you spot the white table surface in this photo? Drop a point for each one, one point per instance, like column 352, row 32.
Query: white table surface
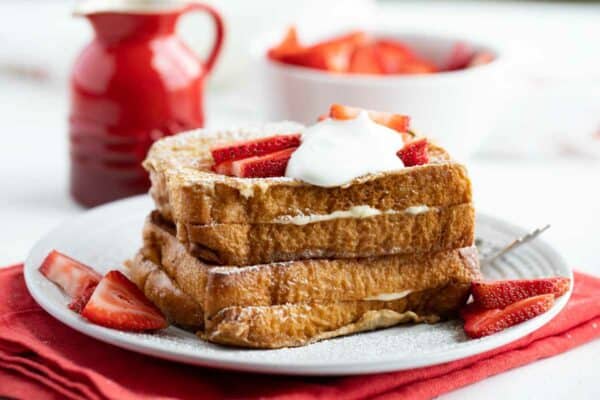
column 529, row 191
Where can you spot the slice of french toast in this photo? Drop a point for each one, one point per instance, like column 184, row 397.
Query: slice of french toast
column 242, row 305
column 186, row 191
column 426, row 230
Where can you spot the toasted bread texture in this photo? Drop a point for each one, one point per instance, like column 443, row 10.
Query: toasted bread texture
column 242, row 305
column 432, row 230
column 186, row 191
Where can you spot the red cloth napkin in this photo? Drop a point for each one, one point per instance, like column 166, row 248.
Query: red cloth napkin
column 40, row 358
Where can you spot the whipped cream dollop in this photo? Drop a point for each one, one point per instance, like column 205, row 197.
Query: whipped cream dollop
column 334, row 152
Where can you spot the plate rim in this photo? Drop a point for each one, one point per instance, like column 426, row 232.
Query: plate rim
column 125, row 340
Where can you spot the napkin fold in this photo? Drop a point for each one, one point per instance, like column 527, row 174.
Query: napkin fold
column 40, row 358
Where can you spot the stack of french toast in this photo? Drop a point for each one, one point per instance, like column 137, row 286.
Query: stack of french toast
column 270, row 262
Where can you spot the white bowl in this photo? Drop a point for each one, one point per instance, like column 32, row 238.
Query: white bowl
column 457, row 109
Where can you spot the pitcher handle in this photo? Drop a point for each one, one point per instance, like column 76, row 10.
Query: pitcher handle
column 219, row 33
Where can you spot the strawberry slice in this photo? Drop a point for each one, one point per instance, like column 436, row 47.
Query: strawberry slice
column 480, row 58
column 79, row 302
column 486, row 322
column 257, row 147
column 269, row 165
column 289, row 45
column 331, row 55
column 73, row 277
column 500, row 294
column 394, row 121
column 414, row 153
column 460, row 56
column 364, row 61
column 118, row 303
column 392, row 56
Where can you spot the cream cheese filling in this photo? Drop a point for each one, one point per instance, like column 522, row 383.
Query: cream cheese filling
column 354, row 212
column 390, row 296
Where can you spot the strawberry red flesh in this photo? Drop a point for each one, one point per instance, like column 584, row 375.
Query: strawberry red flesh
column 397, row 122
column 486, row 322
column 414, row 153
column 118, row 303
column 500, row 294
column 480, row 58
column 459, row 58
column 252, row 148
column 270, row 165
column 331, row 55
column 79, row 302
column 72, row 276
column 364, row 61
column 289, row 45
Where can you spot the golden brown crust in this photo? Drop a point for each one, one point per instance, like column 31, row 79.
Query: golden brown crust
column 160, row 289
column 303, row 281
column 300, row 324
column 401, row 233
column 288, row 324
column 186, row 191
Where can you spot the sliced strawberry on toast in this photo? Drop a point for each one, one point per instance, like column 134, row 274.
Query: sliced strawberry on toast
column 72, row 276
column 500, row 294
column 414, row 153
column 118, row 303
column 270, row 165
column 394, row 121
column 482, row 322
column 256, row 147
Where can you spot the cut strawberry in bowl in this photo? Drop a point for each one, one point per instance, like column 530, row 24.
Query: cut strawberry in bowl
column 289, row 45
column 270, row 165
column 364, row 61
column 118, row 303
column 500, row 294
column 397, row 122
column 484, row 322
column 332, row 55
column 460, row 56
column 72, row 276
column 256, row 147
column 414, row 153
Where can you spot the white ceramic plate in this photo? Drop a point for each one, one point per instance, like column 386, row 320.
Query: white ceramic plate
column 107, row 235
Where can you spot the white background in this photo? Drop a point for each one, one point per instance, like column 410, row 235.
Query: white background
column 522, row 174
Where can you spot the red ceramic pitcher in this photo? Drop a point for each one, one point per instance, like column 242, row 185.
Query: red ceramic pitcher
column 133, row 84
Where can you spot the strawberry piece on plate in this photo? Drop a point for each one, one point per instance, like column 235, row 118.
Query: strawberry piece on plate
column 364, row 61
column 256, row 147
column 73, row 277
column 414, row 153
column 500, row 294
column 479, row 323
column 394, row 121
column 270, row 165
column 460, row 56
column 79, row 302
column 118, row 303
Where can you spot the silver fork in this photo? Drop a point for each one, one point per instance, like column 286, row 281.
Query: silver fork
column 513, row 245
